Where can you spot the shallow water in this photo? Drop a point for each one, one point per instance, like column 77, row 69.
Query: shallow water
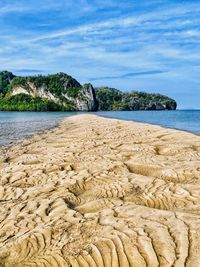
column 188, row 120
column 15, row 126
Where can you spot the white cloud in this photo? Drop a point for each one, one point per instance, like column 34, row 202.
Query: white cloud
column 155, row 40
column 12, row 9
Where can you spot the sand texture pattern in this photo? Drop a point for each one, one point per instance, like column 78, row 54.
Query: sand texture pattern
column 98, row 192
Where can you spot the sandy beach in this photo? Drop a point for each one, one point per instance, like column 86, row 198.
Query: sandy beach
column 97, row 192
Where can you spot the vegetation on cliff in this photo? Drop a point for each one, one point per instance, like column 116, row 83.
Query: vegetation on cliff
column 5, row 79
column 113, row 99
column 61, row 92
column 57, row 84
column 45, row 93
column 24, row 102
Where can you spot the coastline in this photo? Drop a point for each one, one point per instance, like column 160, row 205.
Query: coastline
column 6, row 147
column 151, row 124
column 182, row 120
column 19, row 126
column 24, row 129
column 95, row 190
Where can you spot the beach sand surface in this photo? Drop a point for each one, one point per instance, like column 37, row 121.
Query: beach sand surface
column 97, row 192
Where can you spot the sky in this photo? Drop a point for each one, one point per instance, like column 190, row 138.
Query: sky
column 146, row 45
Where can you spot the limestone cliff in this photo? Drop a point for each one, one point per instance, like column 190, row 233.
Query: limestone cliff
column 59, row 88
column 61, row 92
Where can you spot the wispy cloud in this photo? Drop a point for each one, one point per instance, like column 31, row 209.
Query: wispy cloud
column 129, row 75
column 146, row 44
column 160, row 20
column 12, row 9
column 28, row 71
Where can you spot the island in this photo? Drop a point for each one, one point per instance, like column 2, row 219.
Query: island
column 61, row 92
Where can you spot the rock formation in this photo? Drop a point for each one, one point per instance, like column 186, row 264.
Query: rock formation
column 113, row 99
column 60, row 88
column 61, row 92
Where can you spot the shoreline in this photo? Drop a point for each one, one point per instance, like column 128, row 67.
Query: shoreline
column 35, row 132
column 9, row 146
column 6, row 147
column 151, row 124
column 96, row 190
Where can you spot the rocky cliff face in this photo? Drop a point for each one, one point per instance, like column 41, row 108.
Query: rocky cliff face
column 92, row 103
column 60, row 88
column 61, row 92
column 33, row 91
column 87, row 102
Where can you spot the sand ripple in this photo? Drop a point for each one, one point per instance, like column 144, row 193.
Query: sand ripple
column 96, row 192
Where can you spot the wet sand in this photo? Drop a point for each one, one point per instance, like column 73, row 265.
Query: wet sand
column 98, row 192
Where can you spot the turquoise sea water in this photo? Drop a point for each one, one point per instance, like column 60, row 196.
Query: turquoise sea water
column 15, row 126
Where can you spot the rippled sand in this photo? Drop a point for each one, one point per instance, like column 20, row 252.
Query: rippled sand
column 101, row 192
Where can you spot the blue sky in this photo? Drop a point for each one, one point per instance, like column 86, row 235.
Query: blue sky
column 148, row 45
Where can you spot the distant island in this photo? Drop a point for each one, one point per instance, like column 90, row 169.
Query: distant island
column 61, row 92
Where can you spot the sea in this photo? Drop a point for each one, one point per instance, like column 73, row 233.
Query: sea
column 16, row 126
